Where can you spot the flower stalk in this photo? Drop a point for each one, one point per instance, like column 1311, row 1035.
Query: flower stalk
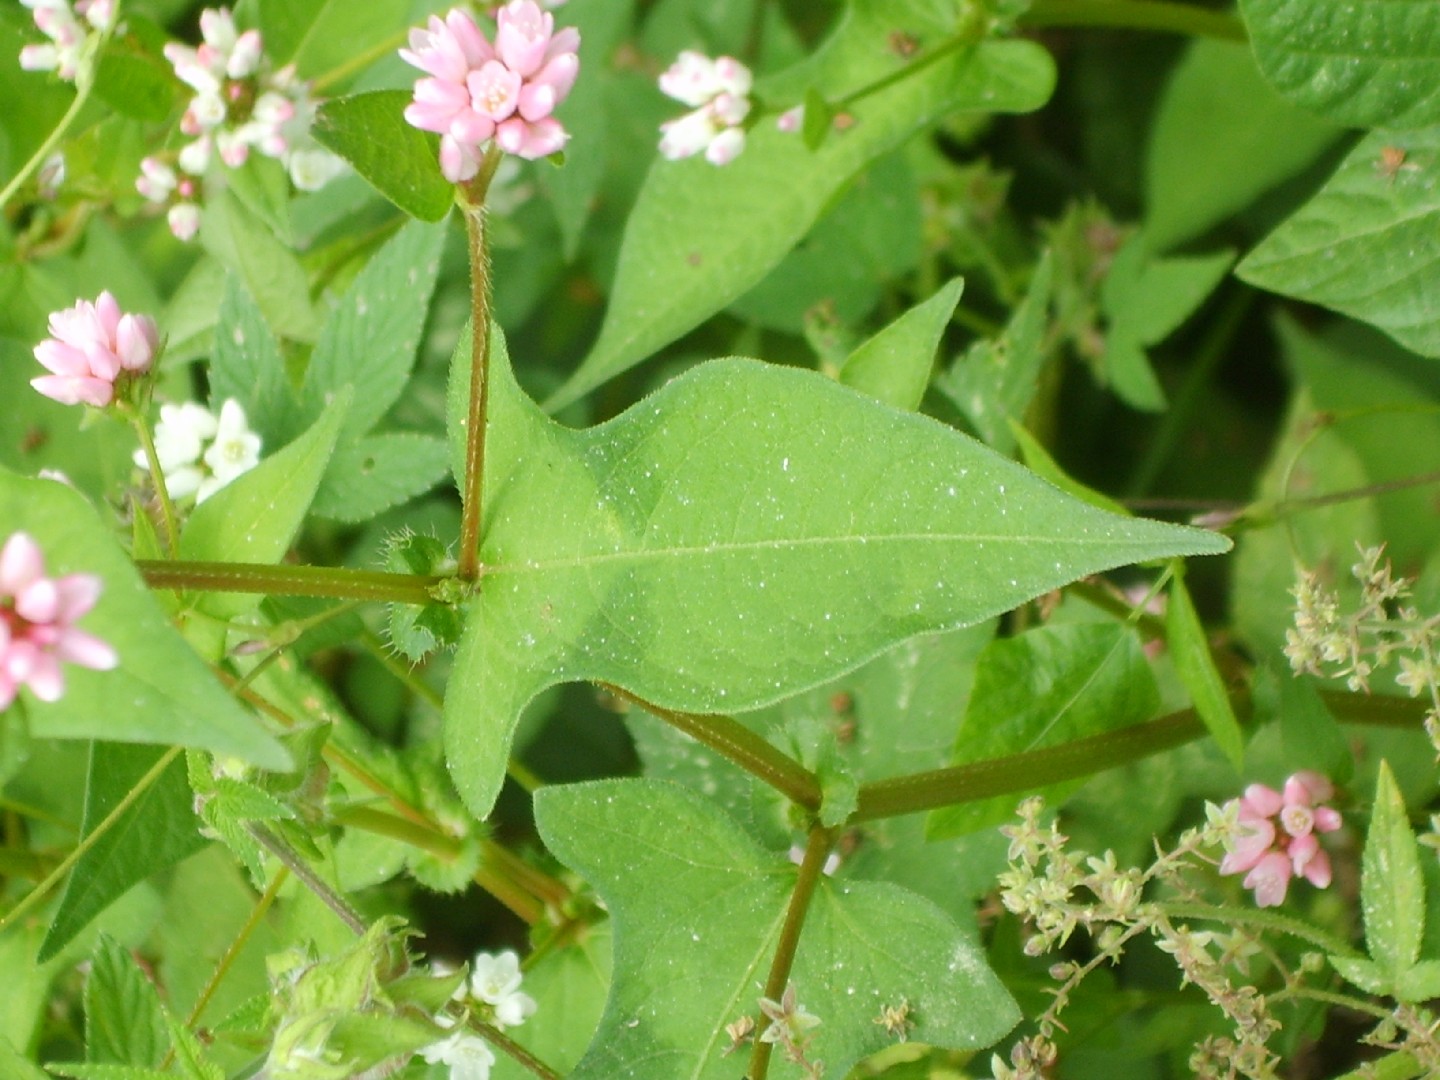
column 334, row 582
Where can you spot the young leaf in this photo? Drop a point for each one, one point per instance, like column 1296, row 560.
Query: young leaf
column 1043, row 688
column 894, row 366
column 157, row 831
column 1367, row 63
column 1190, row 649
column 1368, row 244
column 709, row 234
column 124, row 1020
column 401, row 162
column 1392, row 890
column 745, row 533
column 170, row 695
column 689, row 891
column 369, row 341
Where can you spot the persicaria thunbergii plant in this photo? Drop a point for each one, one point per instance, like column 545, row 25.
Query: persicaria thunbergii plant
column 522, row 601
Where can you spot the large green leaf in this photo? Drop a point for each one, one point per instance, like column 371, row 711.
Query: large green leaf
column 700, row 236
column 1221, row 138
column 168, row 694
column 745, row 533
column 157, row 831
column 1368, row 244
column 1362, row 63
column 1045, row 688
column 400, row 161
column 698, row 906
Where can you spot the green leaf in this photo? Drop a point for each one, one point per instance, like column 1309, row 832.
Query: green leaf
column 708, row 234
column 377, row 472
column 569, row 987
column 170, row 696
column 16, row 1067
column 745, row 533
column 247, row 365
column 135, row 80
column 1366, row 974
column 1365, row 63
column 1368, row 244
column 368, row 343
column 401, row 162
column 321, row 36
column 994, row 381
column 1190, row 650
column 1221, row 138
column 1044, row 688
column 690, row 892
column 271, row 271
column 894, row 366
column 1038, row 460
column 124, row 1020
column 254, row 517
column 106, row 1071
column 1419, row 983
column 1392, row 889
column 157, row 831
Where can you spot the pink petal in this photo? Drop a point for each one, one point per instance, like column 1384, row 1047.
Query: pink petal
column 38, row 602
column 46, row 682
column 75, row 390
column 1261, row 801
column 87, row 650
column 107, row 315
column 1270, row 879
column 62, row 359
column 1317, row 870
column 136, row 340
column 458, row 161
column 77, row 594
column 21, row 563
column 494, row 90
column 1327, row 819
column 1317, row 785
column 522, row 35
column 531, row 141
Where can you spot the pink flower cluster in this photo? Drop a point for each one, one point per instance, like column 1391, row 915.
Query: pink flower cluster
column 238, row 106
column 477, row 91
column 37, row 623
column 1277, row 836
column 67, row 37
column 93, row 347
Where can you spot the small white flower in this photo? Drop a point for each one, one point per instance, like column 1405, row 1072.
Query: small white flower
column 189, row 465
column 236, row 450
column 495, row 980
column 719, row 91
column 468, row 1056
column 184, row 220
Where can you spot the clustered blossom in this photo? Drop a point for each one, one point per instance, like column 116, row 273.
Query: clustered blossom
column 68, row 38
column 1275, row 836
column 467, row 1056
column 477, row 92
column 199, row 453
column 719, row 93
column 92, row 348
column 37, row 623
column 493, row 986
column 789, row 1027
column 239, row 105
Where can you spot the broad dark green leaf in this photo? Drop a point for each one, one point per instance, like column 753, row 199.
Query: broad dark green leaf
column 124, row 1020
column 157, row 831
column 1362, row 63
column 1044, row 688
column 894, row 366
column 1190, row 650
column 1368, row 244
column 745, row 533
column 699, row 236
column 170, row 696
column 401, row 162
column 1221, row 138
column 697, row 908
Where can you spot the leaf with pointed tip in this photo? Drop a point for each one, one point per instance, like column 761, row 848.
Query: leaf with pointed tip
column 399, row 161
column 745, row 533
column 691, row 956
column 1194, row 663
column 894, row 366
column 699, row 236
column 168, row 695
column 1363, row 63
column 124, row 1020
column 1392, row 888
column 1366, row 245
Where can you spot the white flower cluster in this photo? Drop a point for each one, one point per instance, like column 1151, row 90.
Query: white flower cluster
column 67, row 36
column 493, row 987
column 200, row 453
column 239, row 105
column 719, row 93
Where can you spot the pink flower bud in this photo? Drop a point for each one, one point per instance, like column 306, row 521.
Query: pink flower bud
column 91, row 345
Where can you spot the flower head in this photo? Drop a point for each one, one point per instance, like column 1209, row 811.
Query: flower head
column 468, row 1056
column 718, row 91
column 1273, row 835
column 495, row 980
column 92, row 347
column 69, row 39
column 199, row 453
column 37, row 623
column 478, row 92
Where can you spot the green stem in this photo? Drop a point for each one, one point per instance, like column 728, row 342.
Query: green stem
column 493, row 1035
column 817, row 849
column 1263, row 920
column 292, row 861
column 934, row 56
column 370, row 820
column 733, row 740
column 472, row 201
column 84, row 83
column 106, row 824
column 1343, row 1001
column 1136, row 15
column 335, row 582
column 162, row 490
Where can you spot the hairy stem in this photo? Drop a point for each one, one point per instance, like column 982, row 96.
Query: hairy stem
column 493, row 1035
column 336, row 582
column 734, row 741
column 817, row 849
column 291, row 860
column 1136, row 15
column 162, row 489
column 472, row 201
